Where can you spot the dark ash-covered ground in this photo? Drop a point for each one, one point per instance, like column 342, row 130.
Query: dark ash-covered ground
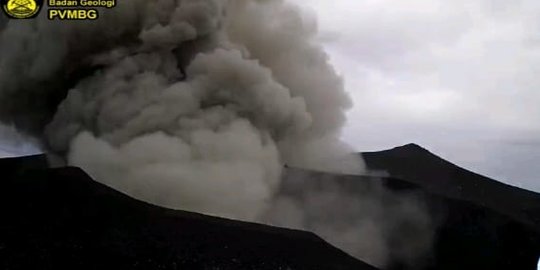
column 54, row 218
column 60, row 218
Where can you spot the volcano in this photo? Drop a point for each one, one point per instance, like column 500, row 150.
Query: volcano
column 54, row 218
column 482, row 223
column 417, row 165
column 61, row 218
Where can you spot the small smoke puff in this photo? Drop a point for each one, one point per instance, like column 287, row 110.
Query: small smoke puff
column 324, row 154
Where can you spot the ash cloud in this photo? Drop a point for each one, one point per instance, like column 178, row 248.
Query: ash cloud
column 187, row 104
column 193, row 105
column 386, row 228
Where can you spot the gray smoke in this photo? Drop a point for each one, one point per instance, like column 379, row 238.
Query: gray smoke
column 189, row 104
column 197, row 105
column 357, row 214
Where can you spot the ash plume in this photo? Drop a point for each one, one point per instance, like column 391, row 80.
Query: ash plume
column 197, row 105
column 189, row 104
column 383, row 227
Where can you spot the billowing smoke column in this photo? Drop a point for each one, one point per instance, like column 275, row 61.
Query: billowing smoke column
column 190, row 104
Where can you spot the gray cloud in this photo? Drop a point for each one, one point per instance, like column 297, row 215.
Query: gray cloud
column 450, row 75
column 13, row 143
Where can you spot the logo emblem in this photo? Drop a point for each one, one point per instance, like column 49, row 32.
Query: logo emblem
column 21, row 9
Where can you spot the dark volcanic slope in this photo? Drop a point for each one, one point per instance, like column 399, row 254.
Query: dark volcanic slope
column 12, row 166
column 484, row 224
column 60, row 218
column 465, row 235
column 417, row 165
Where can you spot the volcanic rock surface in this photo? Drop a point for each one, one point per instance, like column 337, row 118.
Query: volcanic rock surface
column 62, row 219
column 480, row 223
column 54, row 218
column 417, row 165
column 474, row 222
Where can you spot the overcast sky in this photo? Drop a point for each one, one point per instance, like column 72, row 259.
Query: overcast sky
column 458, row 77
